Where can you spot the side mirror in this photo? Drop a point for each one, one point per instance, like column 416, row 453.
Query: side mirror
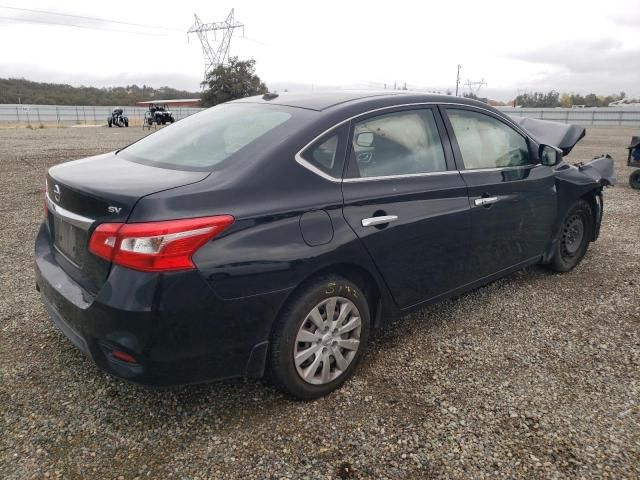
column 550, row 156
column 364, row 139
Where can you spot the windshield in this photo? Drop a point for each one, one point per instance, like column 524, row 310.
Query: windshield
column 203, row 140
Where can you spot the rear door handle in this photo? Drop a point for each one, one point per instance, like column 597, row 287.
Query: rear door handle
column 479, row 202
column 381, row 220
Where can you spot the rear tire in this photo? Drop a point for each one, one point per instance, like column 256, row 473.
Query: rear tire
column 634, row 180
column 319, row 338
column 577, row 228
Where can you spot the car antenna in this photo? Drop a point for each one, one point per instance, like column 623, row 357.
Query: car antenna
column 270, row 96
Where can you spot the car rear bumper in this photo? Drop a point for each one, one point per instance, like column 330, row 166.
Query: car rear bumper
column 172, row 324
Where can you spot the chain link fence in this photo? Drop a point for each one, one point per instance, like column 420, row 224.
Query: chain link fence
column 60, row 116
column 63, row 116
column 625, row 116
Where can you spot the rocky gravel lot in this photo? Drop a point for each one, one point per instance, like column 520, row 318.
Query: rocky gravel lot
column 534, row 376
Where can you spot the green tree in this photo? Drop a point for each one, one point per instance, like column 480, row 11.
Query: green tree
column 539, row 99
column 12, row 89
column 235, row 80
column 565, row 100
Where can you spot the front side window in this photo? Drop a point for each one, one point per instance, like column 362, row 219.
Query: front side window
column 400, row 143
column 486, row 142
column 204, row 140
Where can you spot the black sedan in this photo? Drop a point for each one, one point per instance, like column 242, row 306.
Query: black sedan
column 269, row 236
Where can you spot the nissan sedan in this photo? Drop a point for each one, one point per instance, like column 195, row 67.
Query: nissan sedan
column 271, row 235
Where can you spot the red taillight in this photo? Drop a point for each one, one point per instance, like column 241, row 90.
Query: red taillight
column 155, row 246
column 123, row 356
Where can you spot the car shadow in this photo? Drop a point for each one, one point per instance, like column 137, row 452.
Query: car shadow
column 225, row 404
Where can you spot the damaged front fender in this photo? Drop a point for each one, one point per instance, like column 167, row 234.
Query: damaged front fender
column 583, row 181
column 573, row 182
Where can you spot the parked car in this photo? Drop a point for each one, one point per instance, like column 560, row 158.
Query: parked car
column 270, row 235
column 118, row 118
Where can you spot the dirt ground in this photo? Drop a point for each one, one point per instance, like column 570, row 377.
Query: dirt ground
column 534, row 376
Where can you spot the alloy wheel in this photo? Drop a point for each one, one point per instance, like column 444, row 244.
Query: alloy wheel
column 327, row 341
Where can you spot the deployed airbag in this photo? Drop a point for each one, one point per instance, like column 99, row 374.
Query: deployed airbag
column 561, row 135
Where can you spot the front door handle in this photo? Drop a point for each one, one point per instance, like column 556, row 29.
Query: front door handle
column 480, row 202
column 381, row 220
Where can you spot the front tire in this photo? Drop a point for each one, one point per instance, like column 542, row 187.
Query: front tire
column 319, row 338
column 575, row 235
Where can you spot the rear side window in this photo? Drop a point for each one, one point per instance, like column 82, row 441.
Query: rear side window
column 400, row 143
column 327, row 154
column 324, row 155
column 203, row 140
column 485, row 142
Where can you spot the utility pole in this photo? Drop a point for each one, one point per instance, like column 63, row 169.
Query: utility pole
column 458, row 79
column 218, row 56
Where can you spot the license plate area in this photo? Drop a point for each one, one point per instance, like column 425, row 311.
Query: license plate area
column 69, row 240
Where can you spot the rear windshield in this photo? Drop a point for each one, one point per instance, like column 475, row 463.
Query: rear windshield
column 203, row 140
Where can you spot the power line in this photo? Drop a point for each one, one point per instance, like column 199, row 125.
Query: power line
column 48, row 22
column 48, row 12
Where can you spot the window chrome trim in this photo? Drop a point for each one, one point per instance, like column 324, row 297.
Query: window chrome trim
column 313, row 168
column 406, row 175
column 309, row 166
column 73, row 218
column 496, row 169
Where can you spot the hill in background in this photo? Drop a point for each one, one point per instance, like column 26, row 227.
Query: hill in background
column 60, row 94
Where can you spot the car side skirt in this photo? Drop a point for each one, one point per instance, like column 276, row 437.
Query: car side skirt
column 475, row 284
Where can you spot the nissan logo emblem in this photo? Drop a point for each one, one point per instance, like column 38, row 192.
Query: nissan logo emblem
column 56, row 193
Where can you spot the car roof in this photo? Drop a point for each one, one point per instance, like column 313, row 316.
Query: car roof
column 325, row 100
column 314, row 100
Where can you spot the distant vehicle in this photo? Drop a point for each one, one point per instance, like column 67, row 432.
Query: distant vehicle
column 634, row 161
column 624, row 103
column 270, row 235
column 158, row 114
column 118, row 118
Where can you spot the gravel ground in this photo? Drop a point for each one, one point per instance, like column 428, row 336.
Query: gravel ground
column 534, row 376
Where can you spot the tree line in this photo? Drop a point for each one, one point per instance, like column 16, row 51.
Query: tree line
column 236, row 79
column 554, row 99
column 19, row 90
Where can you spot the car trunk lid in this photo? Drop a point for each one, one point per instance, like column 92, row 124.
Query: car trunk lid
column 85, row 193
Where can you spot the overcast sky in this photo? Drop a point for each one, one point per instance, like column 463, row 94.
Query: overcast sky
column 534, row 45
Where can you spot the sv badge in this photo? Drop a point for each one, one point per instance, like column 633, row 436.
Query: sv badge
column 114, row 209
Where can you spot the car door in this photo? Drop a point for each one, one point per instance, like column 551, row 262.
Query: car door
column 512, row 197
column 407, row 203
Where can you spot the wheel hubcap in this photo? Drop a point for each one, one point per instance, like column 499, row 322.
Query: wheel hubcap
column 573, row 233
column 327, row 341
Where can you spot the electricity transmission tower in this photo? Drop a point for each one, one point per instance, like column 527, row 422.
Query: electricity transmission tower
column 215, row 56
column 474, row 87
